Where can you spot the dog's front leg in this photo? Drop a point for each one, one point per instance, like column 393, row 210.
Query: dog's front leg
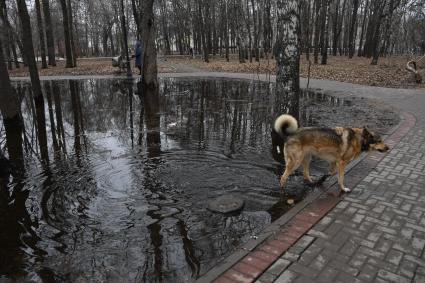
column 341, row 172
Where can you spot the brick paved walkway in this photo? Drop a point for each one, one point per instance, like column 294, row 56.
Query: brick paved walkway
column 374, row 234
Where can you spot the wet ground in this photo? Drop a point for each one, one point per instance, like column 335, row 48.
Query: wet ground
column 124, row 195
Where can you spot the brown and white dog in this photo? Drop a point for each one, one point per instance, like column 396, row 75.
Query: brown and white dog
column 339, row 146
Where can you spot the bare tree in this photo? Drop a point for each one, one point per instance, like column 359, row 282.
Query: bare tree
column 150, row 69
column 41, row 35
column 287, row 54
column 49, row 33
column 11, row 112
column 67, row 33
column 35, row 80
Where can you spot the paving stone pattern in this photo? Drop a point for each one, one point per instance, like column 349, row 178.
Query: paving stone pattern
column 376, row 233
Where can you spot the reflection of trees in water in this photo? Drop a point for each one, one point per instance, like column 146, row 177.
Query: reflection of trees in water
column 233, row 112
column 207, row 112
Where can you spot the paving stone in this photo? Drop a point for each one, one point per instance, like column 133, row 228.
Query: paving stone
column 344, row 278
column 279, row 266
column 371, row 252
column 349, row 247
column 392, row 277
column 286, row 277
column 419, row 278
column 310, row 254
column 290, row 256
column 301, row 269
column 358, row 260
column 304, row 279
column 327, row 275
column 368, row 273
column 266, row 277
column 344, row 267
column 394, row 257
column 407, row 268
column 383, row 246
column 319, row 262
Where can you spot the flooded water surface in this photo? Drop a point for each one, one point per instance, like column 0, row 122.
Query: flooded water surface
column 124, row 195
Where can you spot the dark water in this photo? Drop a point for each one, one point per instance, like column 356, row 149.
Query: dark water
column 124, row 196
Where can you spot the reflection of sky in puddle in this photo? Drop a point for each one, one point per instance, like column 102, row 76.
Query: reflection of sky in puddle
column 131, row 204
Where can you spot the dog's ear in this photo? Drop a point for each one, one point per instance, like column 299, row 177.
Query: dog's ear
column 366, row 134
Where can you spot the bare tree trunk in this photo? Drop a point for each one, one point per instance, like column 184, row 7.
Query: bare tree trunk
column 136, row 15
column 71, row 35
column 10, row 109
column 325, row 40
column 125, row 40
column 35, row 80
column 287, row 56
column 226, row 33
column 150, row 69
column 66, row 31
column 319, row 15
column 202, row 31
column 164, row 27
column 248, row 26
column 335, row 30
column 268, row 30
column 360, row 50
column 41, row 35
column 49, row 33
column 255, row 21
column 353, row 30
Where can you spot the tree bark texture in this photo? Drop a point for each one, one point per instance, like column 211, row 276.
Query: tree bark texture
column 287, row 55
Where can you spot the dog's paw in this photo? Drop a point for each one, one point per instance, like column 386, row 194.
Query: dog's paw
column 347, row 190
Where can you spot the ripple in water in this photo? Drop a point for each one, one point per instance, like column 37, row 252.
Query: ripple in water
column 125, row 195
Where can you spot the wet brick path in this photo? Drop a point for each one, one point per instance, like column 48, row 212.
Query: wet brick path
column 377, row 233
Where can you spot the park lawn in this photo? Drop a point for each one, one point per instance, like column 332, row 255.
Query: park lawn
column 390, row 71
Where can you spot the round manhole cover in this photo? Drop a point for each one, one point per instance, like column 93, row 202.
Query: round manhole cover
column 225, row 204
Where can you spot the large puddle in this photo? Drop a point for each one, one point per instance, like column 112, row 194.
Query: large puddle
column 125, row 200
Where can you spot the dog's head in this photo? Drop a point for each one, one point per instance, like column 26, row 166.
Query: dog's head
column 372, row 141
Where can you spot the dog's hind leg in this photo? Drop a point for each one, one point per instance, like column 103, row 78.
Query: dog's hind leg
column 341, row 172
column 306, row 167
column 292, row 163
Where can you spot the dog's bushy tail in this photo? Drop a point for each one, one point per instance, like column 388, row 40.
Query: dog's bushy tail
column 285, row 125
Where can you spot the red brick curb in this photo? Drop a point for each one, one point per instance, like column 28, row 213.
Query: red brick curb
column 252, row 265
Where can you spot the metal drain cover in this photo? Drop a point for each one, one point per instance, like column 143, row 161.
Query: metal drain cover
column 226, row 204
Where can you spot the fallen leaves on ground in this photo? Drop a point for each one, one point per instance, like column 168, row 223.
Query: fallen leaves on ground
column 390, row 71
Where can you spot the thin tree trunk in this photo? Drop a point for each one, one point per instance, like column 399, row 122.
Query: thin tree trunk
column 66, row 31
column 335, row 29
column 35, row 80
column 353, row 30
column 49, row 33
column 71, row 35
column 125, row 40
column 318, row 4
column 325, row 42
column 360, row 50
column 41, row 35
